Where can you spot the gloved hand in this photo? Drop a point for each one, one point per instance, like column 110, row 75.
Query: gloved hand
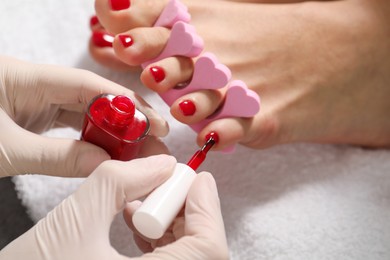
column 34, row 98
column 79, row 227
column 198, row 231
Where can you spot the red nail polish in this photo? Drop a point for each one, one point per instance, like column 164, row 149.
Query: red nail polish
column 102, row 39
column 198, row 158
column 118, row 5
column 187, row 107
column 213, row 135
column 157, row 73
column 93, row 21
column 114, row 124
column 126, row 40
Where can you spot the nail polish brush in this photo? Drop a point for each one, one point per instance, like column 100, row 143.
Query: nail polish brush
column 160, row 208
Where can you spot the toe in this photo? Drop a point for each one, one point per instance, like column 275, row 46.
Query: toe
column 196, row 106
column 140, row 45
column 100, row 48
column 167, row 73
column 118, row 16
column 230, row 131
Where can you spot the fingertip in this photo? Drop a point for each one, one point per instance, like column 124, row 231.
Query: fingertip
column 158, row 125
column 128, row 212
column 152, row 146
column 206, row 179
column 89, row 158
column 163, row 160
column 203, row 192
column 160, row 166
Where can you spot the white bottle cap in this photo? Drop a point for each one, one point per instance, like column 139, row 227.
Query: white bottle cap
column 160, row 208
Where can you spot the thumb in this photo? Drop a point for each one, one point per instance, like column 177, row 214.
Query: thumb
column 204, row 229
column 64, row 157
column 114, row 183
column 79, row 227
column 24, row 152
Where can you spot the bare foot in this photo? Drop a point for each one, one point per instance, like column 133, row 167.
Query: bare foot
column 321, row 68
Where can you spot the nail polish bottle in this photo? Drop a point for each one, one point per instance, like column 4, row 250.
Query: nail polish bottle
column 114, row 124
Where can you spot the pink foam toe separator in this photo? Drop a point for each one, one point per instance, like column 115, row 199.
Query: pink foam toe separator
column 173, row 12
column 183, row 41
column 208, row 74
column 240, row 101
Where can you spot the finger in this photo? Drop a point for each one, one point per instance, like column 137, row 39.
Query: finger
column 203, row 211
column 63, row 157
column 87, row 215
column 128, row 211
column 25, row 152
column 204, row 228
column 152, row 146
column 75, row 86
column 158, row 126
column 114, row 183
column 69, row 119
column 145, row 244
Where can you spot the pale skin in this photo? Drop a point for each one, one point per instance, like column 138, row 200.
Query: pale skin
column 321, row 68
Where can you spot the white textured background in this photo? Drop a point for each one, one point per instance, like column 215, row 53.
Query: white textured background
column 299, row 201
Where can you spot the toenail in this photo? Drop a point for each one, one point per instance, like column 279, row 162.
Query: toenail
column 187, row 107
column 118, row 5
column 213, row 135
column 102, row 39
column 93, row 21
column 157, row 73
column 126, row 40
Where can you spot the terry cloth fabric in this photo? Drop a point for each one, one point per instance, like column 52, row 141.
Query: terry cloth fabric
column 301, row 201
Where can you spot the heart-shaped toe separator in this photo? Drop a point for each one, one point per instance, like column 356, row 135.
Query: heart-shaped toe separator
column 240, row 101
column 208, row 73
column 183, row 41
column 173, row 12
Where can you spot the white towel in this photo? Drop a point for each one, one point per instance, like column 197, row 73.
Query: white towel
column 302, row 201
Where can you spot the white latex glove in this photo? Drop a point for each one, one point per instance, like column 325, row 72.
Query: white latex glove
column 79, row 227
column 34, row 98
column 198, row 230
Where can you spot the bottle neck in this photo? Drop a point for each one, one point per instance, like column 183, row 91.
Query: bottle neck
column 121, row 112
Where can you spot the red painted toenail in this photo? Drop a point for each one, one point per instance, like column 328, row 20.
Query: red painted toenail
column 102, row 39
column 157, row 73
column 117, row 5
column 93, row 21
column 214, row 135
column 126, row 40
column 187, row 107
